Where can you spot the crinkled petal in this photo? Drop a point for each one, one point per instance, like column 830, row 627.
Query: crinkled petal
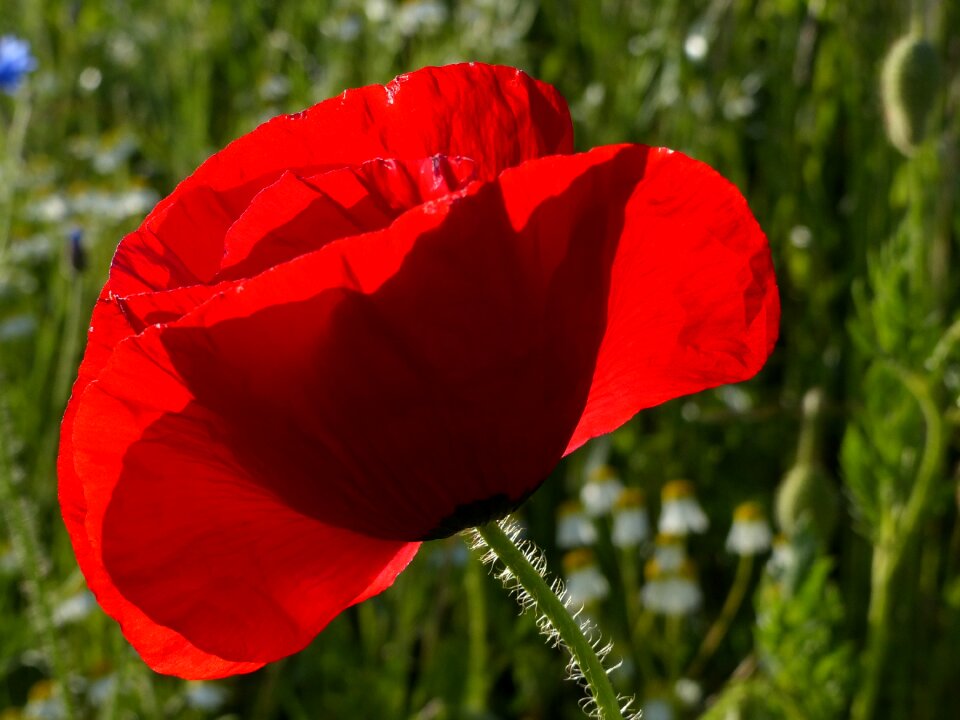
column 162, row 648
column 442, row 366
column 693, row 299
column 297, row 215
column 498, row 116
column 197, row 545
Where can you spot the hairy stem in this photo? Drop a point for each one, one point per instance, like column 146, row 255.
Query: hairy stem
column 555, row 615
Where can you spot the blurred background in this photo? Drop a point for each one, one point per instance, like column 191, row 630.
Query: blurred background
column 785, row 548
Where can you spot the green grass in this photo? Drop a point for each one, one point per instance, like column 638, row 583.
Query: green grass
column 781, row 96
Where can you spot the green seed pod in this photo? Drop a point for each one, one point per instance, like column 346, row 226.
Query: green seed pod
column 807, row 496
column 909, row 81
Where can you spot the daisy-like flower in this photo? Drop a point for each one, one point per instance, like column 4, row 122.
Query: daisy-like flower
column 658, row 709
column 574, row 527
column 44, row 702
column 669, row 551
column 207, row 696
column 750, row 533
column 631, row 522
column 681, row 513
column 783, row 559
column 74, row 608
column 101, row 689
column 671, row 593
column 585, row 583
column 601, row 491
column 689, row 692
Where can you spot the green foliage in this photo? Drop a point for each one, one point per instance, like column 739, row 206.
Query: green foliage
column 804, row 665
column 800, row 642
column 783, row 97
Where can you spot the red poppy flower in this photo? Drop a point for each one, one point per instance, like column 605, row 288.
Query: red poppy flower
column 373, row 323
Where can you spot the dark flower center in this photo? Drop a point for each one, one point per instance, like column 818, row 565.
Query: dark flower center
column 473, row 514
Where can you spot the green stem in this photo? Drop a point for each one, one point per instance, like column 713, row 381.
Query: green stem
column 720, row 627
column 556, row 612
column 265, row 704
column 878, row 632
column 673, row 635
column 917, row 16
column 808, row 442
column 9, row 169
column 631, row 586
column 897, row 534
column 478, row 660
column 909, row 521
column 941, row 352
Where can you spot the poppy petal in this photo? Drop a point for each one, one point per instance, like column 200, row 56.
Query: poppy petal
column 296, row 215
column 441, row 367
column 236, row 571
column 693, row 295
column 496, row 115
column 165, row 306
column 162, row 648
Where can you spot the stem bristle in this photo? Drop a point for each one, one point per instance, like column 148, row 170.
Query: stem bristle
column 534, row 555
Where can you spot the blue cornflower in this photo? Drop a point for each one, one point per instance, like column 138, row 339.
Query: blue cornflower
column 15, row 62
column 78, row 253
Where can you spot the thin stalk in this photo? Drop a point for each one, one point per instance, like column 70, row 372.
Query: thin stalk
column 478, row 658
column 941, row 352
column 265, row 704
column 370, row 631
column 546, row 601
column 898, row 533
column 720, row 627
column 918, row 16
column 631, row 586
column 878, row 632
column 134, row 683
column 931, row 461
column 10, row 164
column 673, row 634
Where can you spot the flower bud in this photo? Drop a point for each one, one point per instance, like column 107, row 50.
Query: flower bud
column 909, row 81
column 78, row 253
column 807, row 495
